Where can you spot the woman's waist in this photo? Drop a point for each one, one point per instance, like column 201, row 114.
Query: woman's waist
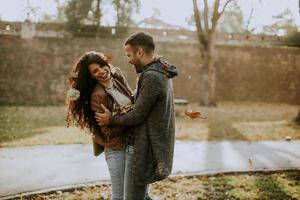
column 108, row 142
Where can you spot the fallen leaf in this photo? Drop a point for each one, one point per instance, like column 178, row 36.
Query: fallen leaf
column 250, row 162
column 288, row 138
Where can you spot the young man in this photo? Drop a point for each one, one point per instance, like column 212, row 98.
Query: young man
column 150, row 152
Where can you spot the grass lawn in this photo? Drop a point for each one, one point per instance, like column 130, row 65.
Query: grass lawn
column 25, row 121
column 28, row 125
column 270, row 185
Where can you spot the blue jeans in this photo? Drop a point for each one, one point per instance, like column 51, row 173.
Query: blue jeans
column 132, row 191
column 115, row 160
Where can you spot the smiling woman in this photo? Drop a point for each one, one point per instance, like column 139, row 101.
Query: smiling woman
column 97, row 83
column 100, row 73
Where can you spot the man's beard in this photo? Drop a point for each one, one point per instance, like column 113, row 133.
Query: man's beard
column 138, row 67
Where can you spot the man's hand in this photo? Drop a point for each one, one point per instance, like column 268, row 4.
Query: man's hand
column 103, row 118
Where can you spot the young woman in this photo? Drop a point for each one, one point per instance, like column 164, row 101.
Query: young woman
column 93, row 82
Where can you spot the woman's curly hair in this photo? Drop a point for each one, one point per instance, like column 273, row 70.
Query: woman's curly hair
column 79, row 111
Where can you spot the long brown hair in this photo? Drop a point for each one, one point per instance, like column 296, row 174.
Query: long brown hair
column 79, row 111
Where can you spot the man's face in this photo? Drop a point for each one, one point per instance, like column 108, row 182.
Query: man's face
column 101, row 74
column 134, row 57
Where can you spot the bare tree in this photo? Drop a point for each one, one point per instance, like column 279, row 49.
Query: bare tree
column 31, row 12
column 297, row 119
column 206, row 29
column 60, row 7
column 97, row 13
column 76, row 12
column 248, row 22
column 124, row 9
column 285, row 24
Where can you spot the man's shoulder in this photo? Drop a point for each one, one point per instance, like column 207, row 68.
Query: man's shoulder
column 153, row 75
column 156, row 69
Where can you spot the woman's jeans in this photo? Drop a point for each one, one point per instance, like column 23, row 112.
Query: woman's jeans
column 115, row 160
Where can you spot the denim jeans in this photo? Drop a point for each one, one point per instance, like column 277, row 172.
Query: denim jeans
column 115, row 160
column 132, row 191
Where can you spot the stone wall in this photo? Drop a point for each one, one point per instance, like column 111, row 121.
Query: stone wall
column 33, row 70
column 270, row 74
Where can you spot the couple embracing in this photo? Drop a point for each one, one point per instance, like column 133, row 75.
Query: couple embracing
column 134, row 130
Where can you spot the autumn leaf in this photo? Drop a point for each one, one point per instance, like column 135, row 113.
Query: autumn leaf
column 108, row 58
column 193, row 114
column 288, row 138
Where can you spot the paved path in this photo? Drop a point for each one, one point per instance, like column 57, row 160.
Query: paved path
column 28, row 169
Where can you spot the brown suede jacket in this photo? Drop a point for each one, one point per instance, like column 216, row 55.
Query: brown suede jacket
column 109, row 136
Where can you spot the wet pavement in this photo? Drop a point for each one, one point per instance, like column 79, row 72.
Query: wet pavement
column 29, row 169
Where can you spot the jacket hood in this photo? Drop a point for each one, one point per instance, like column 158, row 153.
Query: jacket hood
column 171, row 71
column 163, row 67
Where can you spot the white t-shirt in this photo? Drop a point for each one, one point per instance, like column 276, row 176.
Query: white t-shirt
column 119, row 97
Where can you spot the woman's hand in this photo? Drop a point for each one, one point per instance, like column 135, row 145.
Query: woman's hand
column 103, row 118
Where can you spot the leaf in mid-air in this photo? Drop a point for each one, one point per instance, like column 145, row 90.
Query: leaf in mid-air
column 108, row 58
column 193, row 114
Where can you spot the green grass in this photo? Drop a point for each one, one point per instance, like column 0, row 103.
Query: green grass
column 228, row 121
column 238, row 186
column 25, row 121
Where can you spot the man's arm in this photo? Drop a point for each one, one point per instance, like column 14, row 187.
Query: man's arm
column 96, row 102
column 149, row 92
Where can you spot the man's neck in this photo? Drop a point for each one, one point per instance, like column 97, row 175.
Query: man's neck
column 147, row 60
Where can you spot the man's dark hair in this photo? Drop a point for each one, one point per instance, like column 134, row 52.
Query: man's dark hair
column 143, row 40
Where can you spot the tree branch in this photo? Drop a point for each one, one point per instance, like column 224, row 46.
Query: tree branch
column 201, row 35
column 224, row 7
column 217, row 14
column 215, row 17
column 249, row 20
column 206, row 16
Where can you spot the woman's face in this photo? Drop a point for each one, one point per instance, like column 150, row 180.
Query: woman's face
column 101, row 74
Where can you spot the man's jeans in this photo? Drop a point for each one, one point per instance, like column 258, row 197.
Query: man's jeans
column 116, row 164
column 132, row 191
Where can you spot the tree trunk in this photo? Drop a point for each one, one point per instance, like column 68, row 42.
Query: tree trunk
column 97, row 14
column 297, row 118
column 209, row 76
